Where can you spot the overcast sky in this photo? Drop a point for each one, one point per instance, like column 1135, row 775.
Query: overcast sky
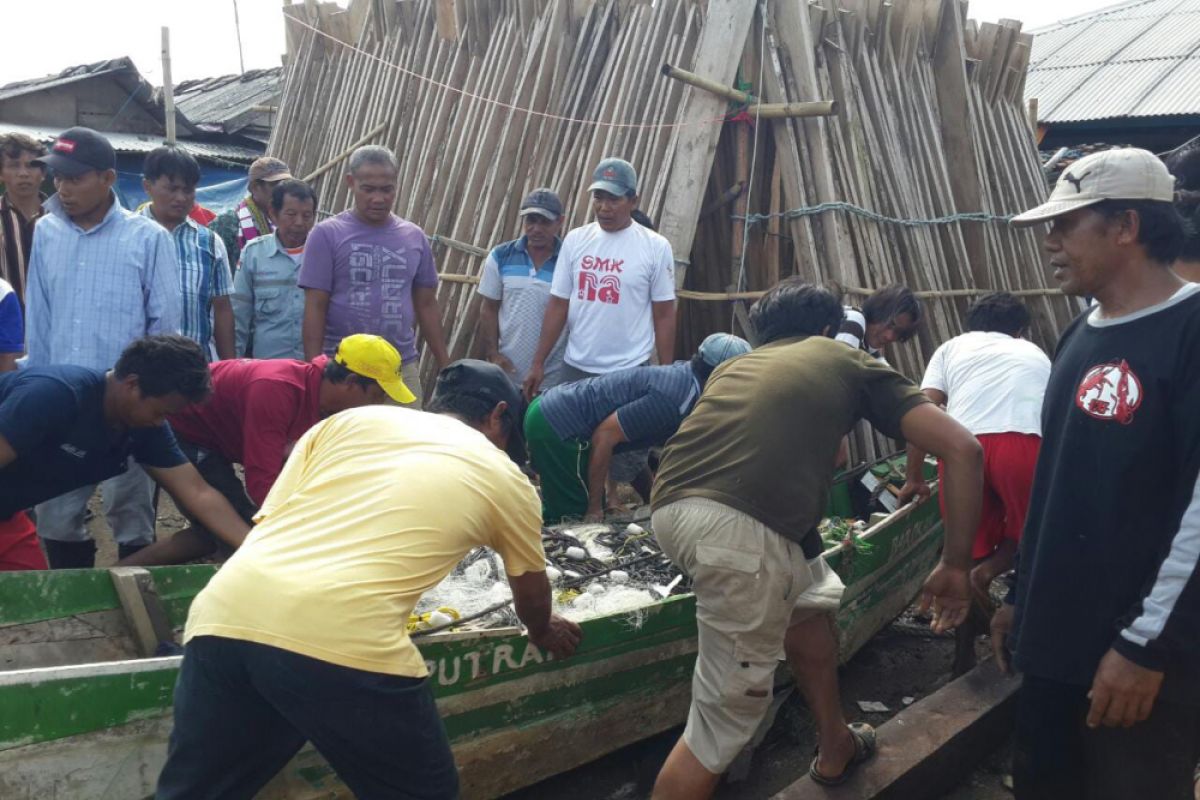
column 204, row 42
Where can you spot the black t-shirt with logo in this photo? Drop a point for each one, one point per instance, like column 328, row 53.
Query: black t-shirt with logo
column 1109, row 553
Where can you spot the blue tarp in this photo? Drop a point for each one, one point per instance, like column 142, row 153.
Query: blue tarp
column 219, row 189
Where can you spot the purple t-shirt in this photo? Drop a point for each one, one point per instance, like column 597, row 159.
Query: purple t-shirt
column 370, row 272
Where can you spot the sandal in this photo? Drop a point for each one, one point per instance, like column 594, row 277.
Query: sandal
column 864, row 747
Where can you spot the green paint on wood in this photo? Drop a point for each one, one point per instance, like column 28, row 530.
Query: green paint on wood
column 56, row 709
column 36, row 596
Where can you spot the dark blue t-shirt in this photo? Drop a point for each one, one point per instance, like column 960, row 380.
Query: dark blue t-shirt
column 53, row 417
column 650, row 403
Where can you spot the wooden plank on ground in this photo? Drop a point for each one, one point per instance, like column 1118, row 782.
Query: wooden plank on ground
column 926, row 749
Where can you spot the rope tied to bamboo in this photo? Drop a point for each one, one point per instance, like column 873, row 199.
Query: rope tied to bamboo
column 874, row 216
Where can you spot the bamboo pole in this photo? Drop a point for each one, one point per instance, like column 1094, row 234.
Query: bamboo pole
column 333, row 162
column 168, row 88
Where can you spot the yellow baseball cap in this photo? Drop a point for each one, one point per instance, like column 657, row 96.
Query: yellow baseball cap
column 374, row 357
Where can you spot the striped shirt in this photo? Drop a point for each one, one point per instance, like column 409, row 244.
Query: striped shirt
column 91, row 293
column 650, row 403
column 16, row 237
column 203, row 276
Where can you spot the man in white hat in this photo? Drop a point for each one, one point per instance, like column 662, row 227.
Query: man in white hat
column 1105, row 610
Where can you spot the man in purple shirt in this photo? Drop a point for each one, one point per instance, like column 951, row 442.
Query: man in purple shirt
column 369, row 271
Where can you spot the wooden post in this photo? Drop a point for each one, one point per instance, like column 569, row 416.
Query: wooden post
column 1033, row 115
column 721, row 44
column 167, row 87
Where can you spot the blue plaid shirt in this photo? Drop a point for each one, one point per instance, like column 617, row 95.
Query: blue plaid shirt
column 203, row 275
column 90, row 293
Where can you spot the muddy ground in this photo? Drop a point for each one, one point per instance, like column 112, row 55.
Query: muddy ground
column 901, row 662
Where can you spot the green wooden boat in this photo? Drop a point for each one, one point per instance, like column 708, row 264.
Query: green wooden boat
column 82, row 717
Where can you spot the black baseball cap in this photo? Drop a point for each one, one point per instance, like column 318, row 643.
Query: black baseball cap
column 544, row 203
column 488, row 382
column 79, row 150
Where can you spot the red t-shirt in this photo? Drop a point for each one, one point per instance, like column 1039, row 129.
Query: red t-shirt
column 257, row 411
column 201, row 215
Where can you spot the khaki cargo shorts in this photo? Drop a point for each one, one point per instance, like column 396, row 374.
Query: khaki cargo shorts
column 751, row 584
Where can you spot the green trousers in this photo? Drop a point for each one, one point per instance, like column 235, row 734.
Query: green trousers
column 561, row 465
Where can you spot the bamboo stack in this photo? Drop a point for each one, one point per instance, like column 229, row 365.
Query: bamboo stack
column 483, row 100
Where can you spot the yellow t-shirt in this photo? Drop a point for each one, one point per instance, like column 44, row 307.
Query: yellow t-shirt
column 373, row 508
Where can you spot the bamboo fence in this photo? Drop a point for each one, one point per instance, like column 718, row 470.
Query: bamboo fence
column 484, row 100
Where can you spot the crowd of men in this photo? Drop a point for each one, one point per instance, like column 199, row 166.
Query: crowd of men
column 143, row 347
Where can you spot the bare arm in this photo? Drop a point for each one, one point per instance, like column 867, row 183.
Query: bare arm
column 429, row 319
column 914, row 477
column 223, row 335
column 531, row 598
column 948, row 588
column 8, row 361
column 312, row 330
column 608, row 434
column 553, row 323
column 664, row 330
column 488, row 334
column 204, row 502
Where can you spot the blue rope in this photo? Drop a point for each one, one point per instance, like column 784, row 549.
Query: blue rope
column 809, row 211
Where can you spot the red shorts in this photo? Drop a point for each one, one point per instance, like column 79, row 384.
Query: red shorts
column 19, row 546
column 1008, row 463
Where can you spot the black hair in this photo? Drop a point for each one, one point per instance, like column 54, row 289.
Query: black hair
column 340, row 373
column 890, row 302
column 643, row 219
column 173, row 162
column 794, row 307
column 701, row 369
column 471, row 408
column 290, row 187
column 1160, row 228
column 166, row 364
column 1000, row 312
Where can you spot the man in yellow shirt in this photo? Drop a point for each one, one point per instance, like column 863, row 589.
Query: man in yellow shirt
column 301, row 635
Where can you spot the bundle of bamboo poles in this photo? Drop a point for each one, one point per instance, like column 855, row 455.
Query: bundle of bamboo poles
column 484, row 100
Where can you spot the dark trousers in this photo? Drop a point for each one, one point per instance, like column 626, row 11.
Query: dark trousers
column 1057, row 757
column 242, row 710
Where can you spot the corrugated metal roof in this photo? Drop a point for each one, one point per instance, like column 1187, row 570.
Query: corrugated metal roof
column 231, row 102
column 1136, row 59
column 136, row 143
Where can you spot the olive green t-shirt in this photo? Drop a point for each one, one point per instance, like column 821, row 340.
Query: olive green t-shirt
column 764, row 435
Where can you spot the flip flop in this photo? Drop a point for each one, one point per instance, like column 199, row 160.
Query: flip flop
column 864, row 747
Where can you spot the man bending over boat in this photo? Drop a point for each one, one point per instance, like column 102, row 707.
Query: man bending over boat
column 257, row 411
column 740, row 490
column 574, row 429
column 301, row 635
column 62, row 427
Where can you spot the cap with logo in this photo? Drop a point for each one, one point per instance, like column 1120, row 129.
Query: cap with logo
column 720, row 347
column 77, row 151
column 1125, row 174
column 490, row 383
column 374, row 357
column 269, row 169
column 615, row 176
column 544, row 203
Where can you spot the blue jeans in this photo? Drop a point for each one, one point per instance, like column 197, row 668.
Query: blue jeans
column 243, row 710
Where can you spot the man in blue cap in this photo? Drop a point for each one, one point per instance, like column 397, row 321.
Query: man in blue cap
column 615, row 285
column 573, row 430
column 515, row 287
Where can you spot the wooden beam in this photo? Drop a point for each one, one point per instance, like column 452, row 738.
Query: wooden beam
column 717, row 55
column 143, row 611
column 168, row 89
column 929, row 747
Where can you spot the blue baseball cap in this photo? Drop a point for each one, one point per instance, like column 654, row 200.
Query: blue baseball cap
column 615, row 176
column 544, row 203
column 720, row 347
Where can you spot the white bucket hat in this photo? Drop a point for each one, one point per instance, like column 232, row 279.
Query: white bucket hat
column 1126, row 174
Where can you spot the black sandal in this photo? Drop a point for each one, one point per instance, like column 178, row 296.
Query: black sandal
column 864, row 748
